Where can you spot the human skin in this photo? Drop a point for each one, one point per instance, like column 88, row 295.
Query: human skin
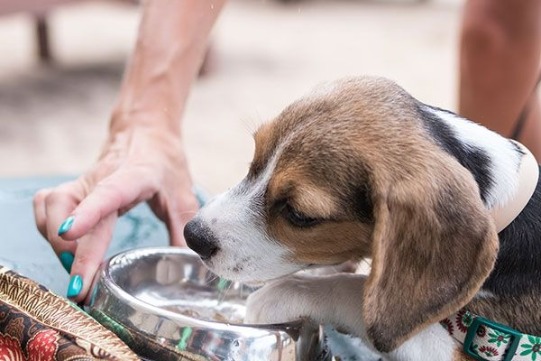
column 500, row 50
column 143, row 158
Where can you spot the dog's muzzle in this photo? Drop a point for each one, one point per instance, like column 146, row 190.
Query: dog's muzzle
column 200, row 239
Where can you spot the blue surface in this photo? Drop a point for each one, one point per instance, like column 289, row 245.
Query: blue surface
column 24, row 250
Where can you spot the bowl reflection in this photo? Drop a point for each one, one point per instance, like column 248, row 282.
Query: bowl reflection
column 166, row 305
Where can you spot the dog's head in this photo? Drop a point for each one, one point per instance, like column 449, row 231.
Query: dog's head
column 350, row 172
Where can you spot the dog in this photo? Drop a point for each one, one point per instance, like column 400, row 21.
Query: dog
column 361, row 169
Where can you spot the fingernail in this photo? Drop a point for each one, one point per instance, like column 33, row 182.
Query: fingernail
column 66, row 225
column 66, row 258
column 75, row 286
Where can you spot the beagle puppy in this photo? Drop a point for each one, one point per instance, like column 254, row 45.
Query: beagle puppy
column 361, row 169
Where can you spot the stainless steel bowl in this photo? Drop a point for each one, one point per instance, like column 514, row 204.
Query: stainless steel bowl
column 166, row 305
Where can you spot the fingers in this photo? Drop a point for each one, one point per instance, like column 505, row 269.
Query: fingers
column 178, row 215
column 89, row 254
column 176, row 223
column 53, row 206
column 40, row 214
column 59, row 204
column 78, row 217
column 117, row 192
column 46, row 226
column 81, row 258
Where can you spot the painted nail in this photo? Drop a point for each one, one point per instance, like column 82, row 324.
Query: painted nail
column 75, row 286
column 66, row 225
column 66, row 258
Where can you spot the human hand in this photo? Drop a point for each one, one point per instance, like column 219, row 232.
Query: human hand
column 137, row 164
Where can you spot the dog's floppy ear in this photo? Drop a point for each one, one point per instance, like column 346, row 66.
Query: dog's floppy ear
column 433, row 246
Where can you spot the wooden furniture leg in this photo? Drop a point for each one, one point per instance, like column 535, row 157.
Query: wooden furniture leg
column 42, row 35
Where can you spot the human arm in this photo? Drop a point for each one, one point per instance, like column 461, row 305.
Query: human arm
column 143, row 157
column 500, row 52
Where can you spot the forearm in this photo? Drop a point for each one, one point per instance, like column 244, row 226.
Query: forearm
column 170, row 48
column 499, row 60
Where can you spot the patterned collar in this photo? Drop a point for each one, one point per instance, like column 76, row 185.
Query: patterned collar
column 490, row 341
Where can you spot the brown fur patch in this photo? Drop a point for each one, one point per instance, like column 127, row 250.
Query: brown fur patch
column 340, row 232
column 311, row 246
column 265, row 143
column 521, row 313
column 303, row 194
column 461, row 356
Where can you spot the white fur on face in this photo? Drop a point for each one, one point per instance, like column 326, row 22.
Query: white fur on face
column 246, row 252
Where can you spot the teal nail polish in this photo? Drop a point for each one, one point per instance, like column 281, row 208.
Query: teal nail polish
column 75, row 286
column 66, row 225
column 66, row 258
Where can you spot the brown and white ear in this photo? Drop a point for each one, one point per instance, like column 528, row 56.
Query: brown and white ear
column 433, row 246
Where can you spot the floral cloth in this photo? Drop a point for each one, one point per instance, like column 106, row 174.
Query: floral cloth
column 492, row 344
column 37, row 325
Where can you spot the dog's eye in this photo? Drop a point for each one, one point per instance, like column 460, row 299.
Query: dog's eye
column 298, row 219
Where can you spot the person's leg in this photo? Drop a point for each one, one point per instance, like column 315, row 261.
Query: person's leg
column 500, row 53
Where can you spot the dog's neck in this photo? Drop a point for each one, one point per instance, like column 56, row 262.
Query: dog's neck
column 500, row 166
column 528, row 175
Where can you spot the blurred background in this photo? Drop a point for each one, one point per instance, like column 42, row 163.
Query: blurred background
column 55, row 99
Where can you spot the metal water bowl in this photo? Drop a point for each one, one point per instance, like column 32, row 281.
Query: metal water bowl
column 166, row 305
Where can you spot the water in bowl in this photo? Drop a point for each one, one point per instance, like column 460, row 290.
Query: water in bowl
column 217, row 301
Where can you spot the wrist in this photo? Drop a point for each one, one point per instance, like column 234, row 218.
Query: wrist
column 156, row 119
column 141, row 140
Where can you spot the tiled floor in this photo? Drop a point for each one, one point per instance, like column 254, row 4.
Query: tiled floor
column 53, row 120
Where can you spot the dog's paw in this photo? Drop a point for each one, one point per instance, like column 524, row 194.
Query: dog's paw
column 283, row 300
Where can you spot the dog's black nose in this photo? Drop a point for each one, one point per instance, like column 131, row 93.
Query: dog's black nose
column 200, row 239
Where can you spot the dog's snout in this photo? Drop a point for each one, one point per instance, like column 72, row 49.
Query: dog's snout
column 200, row 239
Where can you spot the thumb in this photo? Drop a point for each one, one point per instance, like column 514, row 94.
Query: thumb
column 181, row 213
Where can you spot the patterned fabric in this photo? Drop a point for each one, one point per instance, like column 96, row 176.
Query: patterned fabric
column 145, row 346
column 37, row 325
column 492, row 343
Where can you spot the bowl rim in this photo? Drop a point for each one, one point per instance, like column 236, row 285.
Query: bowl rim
column 105, row 278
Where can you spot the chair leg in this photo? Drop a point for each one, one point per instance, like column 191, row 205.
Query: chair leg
column 42, row 35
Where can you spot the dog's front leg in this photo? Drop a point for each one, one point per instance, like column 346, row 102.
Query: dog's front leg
column 334, row 300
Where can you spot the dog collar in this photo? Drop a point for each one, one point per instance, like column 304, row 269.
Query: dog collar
column 490, row 341
column 528, row 174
